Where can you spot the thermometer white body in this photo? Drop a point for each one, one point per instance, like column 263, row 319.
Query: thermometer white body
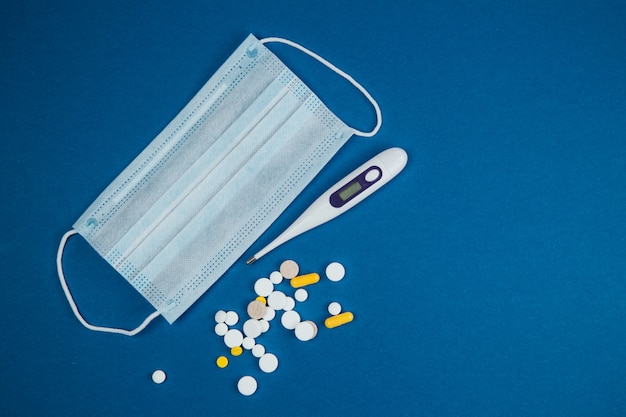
column 344, row 195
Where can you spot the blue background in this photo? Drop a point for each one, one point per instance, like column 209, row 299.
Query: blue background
column 488, row 279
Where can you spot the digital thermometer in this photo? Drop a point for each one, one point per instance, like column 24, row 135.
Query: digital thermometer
column 344, row 195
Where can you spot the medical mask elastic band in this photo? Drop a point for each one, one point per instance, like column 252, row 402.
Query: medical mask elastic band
column 72, row 303
column 368, row 96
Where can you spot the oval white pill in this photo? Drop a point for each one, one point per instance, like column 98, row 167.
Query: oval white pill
column 220, row 316
column 290, row 303
column 301, row 294
column 158, row 376
column 276, row 300
column 258, row 351
column 247, row 385
column 334, row 308
column 269, row 314
column 248, row 343
column 305, row 331
column 335, row 271
column 233, row 338
column 263, row 287
column 221, row 329
column 290, row 319
column 252, row 328
column 232, row 318
column 268, row 363
column 276, row 277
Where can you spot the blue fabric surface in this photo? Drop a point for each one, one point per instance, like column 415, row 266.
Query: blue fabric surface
column 488, row 279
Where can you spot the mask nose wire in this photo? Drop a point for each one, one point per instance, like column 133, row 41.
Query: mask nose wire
column 72, row 303
column 348, row 77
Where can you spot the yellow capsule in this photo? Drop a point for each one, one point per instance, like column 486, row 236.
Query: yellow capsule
column 222, row 362
column 338, row 320
column 261, row 299
column 236, row 351
column 304, row 280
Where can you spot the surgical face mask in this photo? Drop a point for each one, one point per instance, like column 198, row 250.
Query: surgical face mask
column 213, row 180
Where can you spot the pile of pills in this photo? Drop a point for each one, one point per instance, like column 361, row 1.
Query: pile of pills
column 265, row 307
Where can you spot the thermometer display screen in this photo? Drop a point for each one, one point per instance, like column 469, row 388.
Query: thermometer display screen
column 349, row 190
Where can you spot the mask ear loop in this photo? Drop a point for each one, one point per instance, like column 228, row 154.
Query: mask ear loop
column 72, row 303
column 368, row 96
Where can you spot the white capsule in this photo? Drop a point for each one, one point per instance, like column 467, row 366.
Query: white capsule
column 263, row 287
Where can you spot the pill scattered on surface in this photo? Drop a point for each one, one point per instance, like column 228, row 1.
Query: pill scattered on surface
column 306, row 330
column 269, row 314
column 220, row 316
column 290, row 319
column 256, row 309
column 252, row 328
column 304, row 280
column 247, row 385
column 276, row 277
column 158, row 376
column 232, row 318
column 221, row 329
column 289, row 269
column 262, row 299
column 258, row 351
column 276, row 300
column 236, row 351
column 233, row 338
column 263, row 287
column 301, row 295
column 339, row 320
column 335, row 271
column 268, row 363
column 334, row 308
column 248, row 343
column 221, row 362
column 265, row 325
column 290, row 303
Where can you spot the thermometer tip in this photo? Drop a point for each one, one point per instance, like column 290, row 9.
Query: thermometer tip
column 251, row 261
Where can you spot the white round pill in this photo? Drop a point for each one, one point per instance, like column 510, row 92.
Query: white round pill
column 263, row 287
column 290, row 303
column 301, row 294
column 233, row 338
column 305, row 330
column 290, row 319
column 248, row 343
column 258, row 351
column 269, row 314
column 232, row 318
column 276, row 277
column 158, row 376
column 334, row 308
column 276, row 300
column 268, row 362
column 252, row 328
column 265, row 325
column 335, row 271
column 247, row 385
column 220, row 316
column 221, row 329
